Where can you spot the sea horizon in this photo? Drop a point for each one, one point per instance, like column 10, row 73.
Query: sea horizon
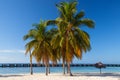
column 26, row 70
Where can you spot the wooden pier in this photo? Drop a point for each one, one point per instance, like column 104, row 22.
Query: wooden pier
column 51, row 65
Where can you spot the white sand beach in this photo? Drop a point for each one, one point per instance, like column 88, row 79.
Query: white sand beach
column 59, row 76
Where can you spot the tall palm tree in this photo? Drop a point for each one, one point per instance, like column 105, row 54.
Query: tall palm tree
column 57, row 41
column 39, row 44
column 71, row 39
column 28, row 50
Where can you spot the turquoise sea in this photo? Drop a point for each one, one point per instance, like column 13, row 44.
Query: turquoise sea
column 25, row 70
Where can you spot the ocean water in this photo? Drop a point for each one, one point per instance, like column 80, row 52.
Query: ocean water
column 25, row 70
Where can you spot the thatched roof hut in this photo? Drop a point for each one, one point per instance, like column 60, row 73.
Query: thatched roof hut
column 100, row 65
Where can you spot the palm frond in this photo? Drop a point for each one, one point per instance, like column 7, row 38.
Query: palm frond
column 79, row 15
column 87, row 22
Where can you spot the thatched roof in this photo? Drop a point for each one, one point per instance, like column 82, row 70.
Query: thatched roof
column 100, row 65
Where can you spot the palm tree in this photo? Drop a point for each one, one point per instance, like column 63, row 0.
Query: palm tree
column 50, row 34
column 39, row 44
column 71, row 39
column 28, row 50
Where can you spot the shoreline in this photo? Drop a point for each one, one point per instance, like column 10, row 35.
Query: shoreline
column 60, row 76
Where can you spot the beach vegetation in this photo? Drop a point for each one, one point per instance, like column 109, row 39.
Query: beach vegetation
column 65, row 42
column 71, row 39
column 39, row 44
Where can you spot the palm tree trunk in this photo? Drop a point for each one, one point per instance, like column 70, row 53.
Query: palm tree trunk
column 63, row 66
column 46, row 69
column 49, row 68
column 31, row 68
column 69, row 70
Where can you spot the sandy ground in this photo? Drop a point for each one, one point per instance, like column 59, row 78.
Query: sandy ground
column 59, row 76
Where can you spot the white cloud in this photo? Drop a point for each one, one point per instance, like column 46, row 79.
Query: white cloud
column 12, row 51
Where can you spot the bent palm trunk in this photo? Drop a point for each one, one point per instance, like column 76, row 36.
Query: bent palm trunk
column 31, row 68
column 69, row 70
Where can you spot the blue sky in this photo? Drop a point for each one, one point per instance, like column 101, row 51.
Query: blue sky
column 17, row 17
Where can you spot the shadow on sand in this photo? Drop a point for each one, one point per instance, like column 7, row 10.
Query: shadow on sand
column 11, row 75
column 98, row 75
